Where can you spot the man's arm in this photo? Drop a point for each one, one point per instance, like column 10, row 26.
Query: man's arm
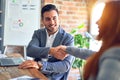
column 49, row 67
column 57, row 67
column 36, row 47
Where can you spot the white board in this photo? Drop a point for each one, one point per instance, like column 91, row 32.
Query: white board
column 22, row 17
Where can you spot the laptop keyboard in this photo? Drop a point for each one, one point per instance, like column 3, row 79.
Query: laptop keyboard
column 7, row 61
column 11, row 61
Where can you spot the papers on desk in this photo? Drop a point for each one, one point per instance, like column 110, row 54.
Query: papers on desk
column 2, row 55
column 25, row 78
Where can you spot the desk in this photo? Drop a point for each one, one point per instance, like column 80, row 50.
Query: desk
column 7, row 73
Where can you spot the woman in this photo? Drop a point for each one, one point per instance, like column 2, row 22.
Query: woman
column 105, row 64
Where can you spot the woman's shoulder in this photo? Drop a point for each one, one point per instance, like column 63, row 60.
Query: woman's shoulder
column 109, row 67
column 113, row 52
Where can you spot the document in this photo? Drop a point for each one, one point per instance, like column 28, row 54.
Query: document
column 25, row 78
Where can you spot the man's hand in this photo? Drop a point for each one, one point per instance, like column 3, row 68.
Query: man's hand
column 59, row 52
column 30, row 64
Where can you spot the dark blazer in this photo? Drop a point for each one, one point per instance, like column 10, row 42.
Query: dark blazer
column 54, row 68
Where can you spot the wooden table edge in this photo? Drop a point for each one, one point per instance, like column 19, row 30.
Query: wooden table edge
column 37, row 74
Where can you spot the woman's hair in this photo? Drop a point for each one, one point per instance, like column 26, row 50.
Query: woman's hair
column 109, row 30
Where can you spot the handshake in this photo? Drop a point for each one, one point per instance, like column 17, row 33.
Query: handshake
column 59, row 52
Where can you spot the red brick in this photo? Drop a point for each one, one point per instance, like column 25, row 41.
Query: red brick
column 49, row 1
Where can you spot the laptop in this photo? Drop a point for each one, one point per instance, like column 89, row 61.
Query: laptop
column 11, row 61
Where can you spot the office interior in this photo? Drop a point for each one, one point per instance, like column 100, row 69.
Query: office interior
column 72, row 13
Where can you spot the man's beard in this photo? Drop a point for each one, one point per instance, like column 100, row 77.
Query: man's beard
column 51, row 26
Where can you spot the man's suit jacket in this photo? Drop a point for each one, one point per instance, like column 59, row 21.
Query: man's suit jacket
column 54, row 68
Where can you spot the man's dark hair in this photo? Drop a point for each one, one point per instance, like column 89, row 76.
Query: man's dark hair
column 48, row 7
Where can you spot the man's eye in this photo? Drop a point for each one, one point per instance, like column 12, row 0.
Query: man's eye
column 47, row 19
column 54, row 18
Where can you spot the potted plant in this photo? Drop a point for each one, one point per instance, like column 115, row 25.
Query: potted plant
column 80, row 41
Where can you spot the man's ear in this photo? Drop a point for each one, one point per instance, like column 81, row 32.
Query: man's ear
column 59, row 20
column 41, row 24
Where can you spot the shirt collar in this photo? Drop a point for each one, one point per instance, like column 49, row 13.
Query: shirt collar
column 54, row 35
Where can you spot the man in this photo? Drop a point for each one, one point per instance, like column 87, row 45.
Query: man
column 42, row 41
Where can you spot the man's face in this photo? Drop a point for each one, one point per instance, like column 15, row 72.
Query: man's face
column 51, row 21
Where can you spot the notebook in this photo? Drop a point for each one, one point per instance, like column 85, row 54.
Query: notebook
column 11, row 61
